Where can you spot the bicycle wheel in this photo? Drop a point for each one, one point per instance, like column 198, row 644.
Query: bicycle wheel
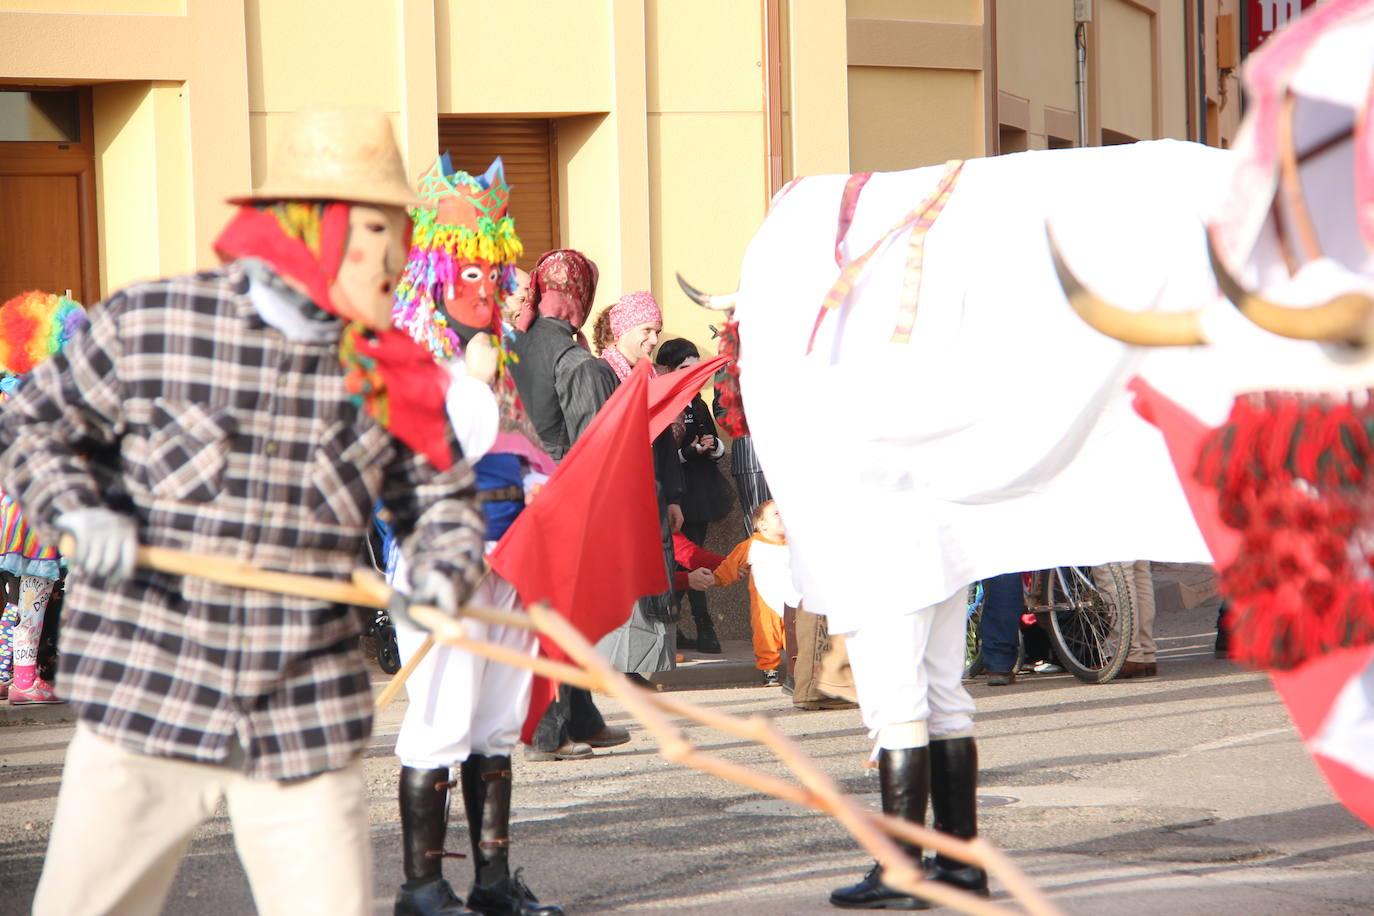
column 973, row 642
column 1091, row 632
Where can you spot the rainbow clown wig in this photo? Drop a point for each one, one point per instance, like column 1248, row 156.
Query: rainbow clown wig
column 462, row 258
column 34, row 326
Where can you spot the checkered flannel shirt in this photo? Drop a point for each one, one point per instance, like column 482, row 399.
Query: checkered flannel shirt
column 219, row 435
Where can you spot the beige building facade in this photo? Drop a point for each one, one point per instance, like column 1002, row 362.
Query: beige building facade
column 651, row 134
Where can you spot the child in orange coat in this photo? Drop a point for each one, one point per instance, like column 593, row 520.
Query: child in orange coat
column 766, row 559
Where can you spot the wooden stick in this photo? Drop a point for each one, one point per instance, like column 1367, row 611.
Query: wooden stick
column 817, row 790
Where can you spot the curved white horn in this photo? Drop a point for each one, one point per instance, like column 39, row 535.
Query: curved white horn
column 723, row 303
column 1143, row 329
column 1346, row 318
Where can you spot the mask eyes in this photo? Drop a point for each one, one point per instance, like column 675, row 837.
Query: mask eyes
column 491, row 277
column 471, row 273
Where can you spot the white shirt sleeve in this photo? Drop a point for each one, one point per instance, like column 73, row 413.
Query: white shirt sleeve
column 473, row 412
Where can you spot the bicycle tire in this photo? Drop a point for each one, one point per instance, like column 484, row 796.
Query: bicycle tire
column 1091, row 633
column 388, row 651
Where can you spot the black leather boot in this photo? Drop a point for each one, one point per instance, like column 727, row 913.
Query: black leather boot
column 706, row 640
column 954, row 805
column 486, row 796
column 905, row 781
column 424, row 822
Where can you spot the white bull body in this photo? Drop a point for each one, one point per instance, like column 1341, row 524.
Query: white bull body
column 1001, row 436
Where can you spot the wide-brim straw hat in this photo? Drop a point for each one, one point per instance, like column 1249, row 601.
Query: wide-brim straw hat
column 346, row 154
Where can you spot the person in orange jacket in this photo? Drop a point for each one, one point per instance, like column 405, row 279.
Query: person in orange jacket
column 764, row 556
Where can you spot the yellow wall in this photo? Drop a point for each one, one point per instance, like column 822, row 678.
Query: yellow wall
column 171, row 109
column 707, row 142
column 917, row 82
column 662, row 105
column 905, row 118
column 1126, row 68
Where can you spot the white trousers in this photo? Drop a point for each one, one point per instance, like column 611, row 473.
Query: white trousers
column 124, row 822
column 910, row 669
column 461, row 703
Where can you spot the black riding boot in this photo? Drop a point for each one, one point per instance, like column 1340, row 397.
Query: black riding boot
column 706, row 640
column 424, row 822
column 905, row 779
column 954, row 806
column 486, row 796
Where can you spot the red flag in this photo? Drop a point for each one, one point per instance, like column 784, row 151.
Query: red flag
column 590, row 544
column 671, row 392
column 1310, row 692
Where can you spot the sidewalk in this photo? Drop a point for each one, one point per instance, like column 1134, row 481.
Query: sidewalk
column 733, row 667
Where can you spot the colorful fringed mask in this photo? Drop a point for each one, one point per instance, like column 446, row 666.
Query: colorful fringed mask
column 34, row 326
column 462, row 257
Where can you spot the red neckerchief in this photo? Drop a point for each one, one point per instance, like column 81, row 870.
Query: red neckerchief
column 393, row 378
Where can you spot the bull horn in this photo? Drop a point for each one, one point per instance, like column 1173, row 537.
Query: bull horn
column 725, row 303
column 1143, row 329
column 1345, row 318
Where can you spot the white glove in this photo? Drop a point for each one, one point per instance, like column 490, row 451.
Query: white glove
column 433, row 588
column 106, row 542
column 437, row 589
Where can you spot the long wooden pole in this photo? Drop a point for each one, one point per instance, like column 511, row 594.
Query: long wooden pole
column 816, row 790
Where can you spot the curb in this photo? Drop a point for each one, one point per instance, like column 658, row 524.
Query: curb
column 44, row 714
column 734, row 667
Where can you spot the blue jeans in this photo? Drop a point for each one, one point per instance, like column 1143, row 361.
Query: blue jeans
column 1003, row 605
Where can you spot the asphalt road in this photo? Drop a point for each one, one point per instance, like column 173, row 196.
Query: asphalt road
column 1189, row 793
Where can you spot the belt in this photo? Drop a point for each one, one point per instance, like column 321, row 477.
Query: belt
column 514, row 493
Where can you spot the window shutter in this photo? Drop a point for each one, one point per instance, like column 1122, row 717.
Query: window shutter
column 526, row 146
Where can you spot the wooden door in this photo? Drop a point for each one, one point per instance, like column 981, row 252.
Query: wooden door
column 527, row 149
column 47, row 201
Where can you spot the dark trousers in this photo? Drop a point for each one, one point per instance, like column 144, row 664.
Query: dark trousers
column 696, row 533
column 572, row 716
column 1003, row 605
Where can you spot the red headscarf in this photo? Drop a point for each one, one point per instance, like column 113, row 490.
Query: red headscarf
column 395, row 379
column 562, row 285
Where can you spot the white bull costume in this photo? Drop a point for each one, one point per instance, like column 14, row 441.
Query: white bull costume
column 983, row 427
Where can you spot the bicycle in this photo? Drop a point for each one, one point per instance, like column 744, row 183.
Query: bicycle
column 1090, row 632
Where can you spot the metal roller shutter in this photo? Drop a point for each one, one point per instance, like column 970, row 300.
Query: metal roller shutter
column 526, row 146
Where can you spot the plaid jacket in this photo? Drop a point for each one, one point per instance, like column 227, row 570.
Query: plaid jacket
column 180, row 407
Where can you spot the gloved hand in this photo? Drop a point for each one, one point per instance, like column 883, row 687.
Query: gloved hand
column 432, row 588
column 106, row 542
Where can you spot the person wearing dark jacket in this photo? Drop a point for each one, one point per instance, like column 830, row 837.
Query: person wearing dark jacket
column 549, row 346
column 706, row 496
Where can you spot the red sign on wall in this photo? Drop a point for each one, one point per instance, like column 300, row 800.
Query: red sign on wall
column 1264, row 17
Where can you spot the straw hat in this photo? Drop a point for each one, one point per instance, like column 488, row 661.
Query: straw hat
column 346, row 154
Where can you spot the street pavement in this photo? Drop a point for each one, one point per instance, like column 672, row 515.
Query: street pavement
column 1187, row 793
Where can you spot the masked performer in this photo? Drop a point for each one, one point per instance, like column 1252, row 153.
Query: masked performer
column 255, row 412
column 465, row 710
column 33, row 326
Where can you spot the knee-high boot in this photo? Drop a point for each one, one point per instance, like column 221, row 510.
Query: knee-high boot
column 954, row 806
column 905, row 782
column 424, row 823
column 486, row 797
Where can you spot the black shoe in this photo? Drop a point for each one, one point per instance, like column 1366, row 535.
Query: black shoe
column 684, row 643
column 707, row 643
column 770, row 678
column 957, row 874
column 509, row 897
column 872, row 894
column 1001, row 678
column 432, row 898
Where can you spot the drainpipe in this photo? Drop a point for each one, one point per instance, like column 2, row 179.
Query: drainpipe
column 772, row 83
column 1080, row 42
